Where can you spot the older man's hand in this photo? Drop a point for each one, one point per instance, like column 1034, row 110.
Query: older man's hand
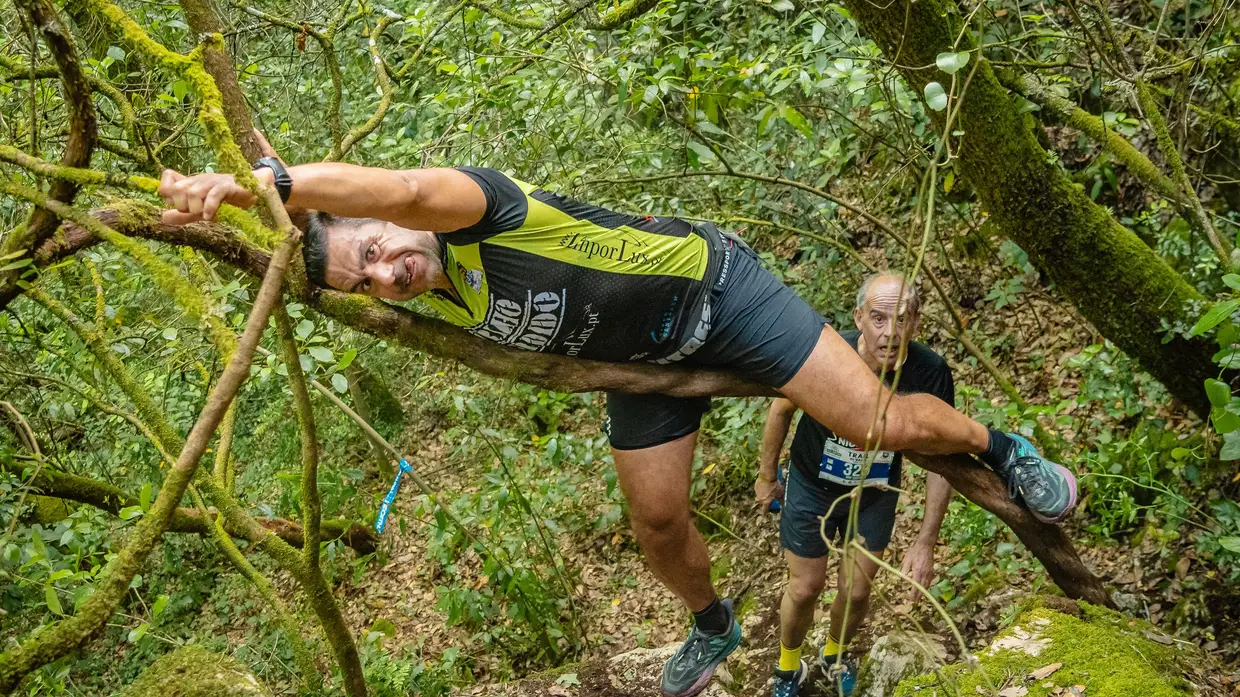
column 919, row 566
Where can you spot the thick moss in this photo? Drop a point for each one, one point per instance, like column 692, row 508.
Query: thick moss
column 1103, row 650
column 192, row 671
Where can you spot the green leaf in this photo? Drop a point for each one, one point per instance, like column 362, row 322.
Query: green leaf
column 340, row 383
column 704, row 153
column 116, row 53
column 1232, row 280
column 1225, row 422
column 160, row 603
column 1218, row 392
column 347, row 359
column 950, row 62
column 796, row 119
column 783, row 6
column 1231, row 447
column 53, row 602
column 936, row 98
column 1227, row 358
column 817, row 32
column 138, row 632
column 130, row 512
column 16, row 264
column 384, row 627
column 949, row 180
column 144, row 497
column 170, row 333
column 568, row 680
column 321, row 354
column 1231, row 544
column 448, row 68
column 1217, row 314
column 304, row 329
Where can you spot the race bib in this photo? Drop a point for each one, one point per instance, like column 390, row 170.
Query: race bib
column 842, row 463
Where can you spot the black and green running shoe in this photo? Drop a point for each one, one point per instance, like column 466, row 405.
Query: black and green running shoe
column 687, row 673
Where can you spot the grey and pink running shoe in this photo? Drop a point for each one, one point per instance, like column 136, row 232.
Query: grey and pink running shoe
column 1047, row 488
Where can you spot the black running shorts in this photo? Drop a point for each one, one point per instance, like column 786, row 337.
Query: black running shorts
column 801, row 526
column 760, row 330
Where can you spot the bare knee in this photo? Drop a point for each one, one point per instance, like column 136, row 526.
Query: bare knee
column 657, row 522
column 805, row 589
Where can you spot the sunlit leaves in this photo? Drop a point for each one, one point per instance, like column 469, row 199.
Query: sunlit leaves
column 936, row 97
column 950, row 62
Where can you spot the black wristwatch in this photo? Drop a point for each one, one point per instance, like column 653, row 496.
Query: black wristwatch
column 284, row 182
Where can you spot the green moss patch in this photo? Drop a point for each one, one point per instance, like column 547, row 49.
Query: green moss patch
column 1110, row 654
column 192, row 671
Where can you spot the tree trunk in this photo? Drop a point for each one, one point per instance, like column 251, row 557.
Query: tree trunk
column 1118, row 283
column 203, row 18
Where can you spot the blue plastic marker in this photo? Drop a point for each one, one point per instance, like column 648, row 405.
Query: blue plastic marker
column 779, row 475
column 381, row 520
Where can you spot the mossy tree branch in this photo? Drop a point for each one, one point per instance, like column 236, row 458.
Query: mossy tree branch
column 385, row 95
column 112, row 499
column 204, row 20
column 83, row 126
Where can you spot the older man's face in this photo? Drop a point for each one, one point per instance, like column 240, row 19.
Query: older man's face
column 382, row 260
column 885, row 322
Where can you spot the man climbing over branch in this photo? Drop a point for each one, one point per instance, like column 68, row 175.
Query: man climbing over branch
column 530, row 269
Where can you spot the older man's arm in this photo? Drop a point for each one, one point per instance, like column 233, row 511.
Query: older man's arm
column 919, row 559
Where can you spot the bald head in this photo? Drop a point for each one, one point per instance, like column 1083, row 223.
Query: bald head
column 886, row 282
column 887, row 315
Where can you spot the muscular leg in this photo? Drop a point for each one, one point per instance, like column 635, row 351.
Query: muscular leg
column 656, row 483
column 806, row 579
column 853, row 600
column 837, row 388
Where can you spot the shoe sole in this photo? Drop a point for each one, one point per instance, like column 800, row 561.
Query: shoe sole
column 704, row 679
column 1071, row 478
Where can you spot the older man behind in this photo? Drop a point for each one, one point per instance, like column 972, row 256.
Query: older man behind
column 825, row 469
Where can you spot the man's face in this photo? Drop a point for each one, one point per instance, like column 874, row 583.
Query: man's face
column 382, row 260
column 885, row 323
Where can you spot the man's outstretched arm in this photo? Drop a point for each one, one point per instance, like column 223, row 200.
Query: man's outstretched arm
column 778, row 419
column 438, row 200
column 919, row 559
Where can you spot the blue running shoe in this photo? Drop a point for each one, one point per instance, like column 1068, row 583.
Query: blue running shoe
column 688, row 672
column 841, row 675
column 1048, row 488
column 788, row 682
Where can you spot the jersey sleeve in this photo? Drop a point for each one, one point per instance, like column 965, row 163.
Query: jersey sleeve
column 507, row 206
column 944, row 384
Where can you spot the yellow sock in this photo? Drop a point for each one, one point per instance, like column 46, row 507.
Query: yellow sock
column 789, row 659
column 832, row 647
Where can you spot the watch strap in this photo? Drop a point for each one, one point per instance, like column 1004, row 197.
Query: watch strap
column 283, row 181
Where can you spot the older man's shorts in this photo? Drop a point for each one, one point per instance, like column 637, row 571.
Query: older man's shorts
column 806, row 504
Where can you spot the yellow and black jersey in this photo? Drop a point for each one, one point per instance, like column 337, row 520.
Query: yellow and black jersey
column 542, row 272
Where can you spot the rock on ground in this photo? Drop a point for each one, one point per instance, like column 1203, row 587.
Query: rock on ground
column 897, row 656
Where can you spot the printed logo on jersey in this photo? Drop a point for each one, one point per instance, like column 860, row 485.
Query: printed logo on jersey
column 472, row 277
column 628, row 251
column 530, row 325
column 842, row 463
column 589, row 320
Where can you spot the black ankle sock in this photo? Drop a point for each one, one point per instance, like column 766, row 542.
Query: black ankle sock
column 714, row 619
column 999, row 449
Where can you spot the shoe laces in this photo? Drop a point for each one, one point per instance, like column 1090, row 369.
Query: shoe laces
column 1024, row 476
column 694, row 649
